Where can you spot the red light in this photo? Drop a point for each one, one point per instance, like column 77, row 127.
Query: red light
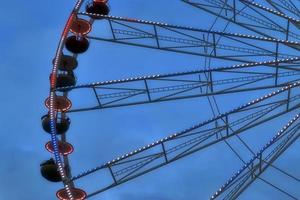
column 78, row 194
column 80, row 27
column 61, row 103
column 64, row 148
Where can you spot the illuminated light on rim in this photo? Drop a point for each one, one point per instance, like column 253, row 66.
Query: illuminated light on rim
column 78, row 194
column 81, row 27
column 64, row 148
column 52, row 97
column 62, row 104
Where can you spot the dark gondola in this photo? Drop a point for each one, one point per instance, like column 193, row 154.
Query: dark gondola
column 62, row 124
column 67, row 63
column 65, row 80
column 98, row 7
column 76, row 44
column 49, row 171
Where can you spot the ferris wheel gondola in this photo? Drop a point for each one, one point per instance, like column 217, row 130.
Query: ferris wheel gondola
column 267, row 60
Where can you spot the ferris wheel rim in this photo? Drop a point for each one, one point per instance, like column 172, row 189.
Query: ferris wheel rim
column 52, row 110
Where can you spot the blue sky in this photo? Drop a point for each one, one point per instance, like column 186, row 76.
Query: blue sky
column 29, row 39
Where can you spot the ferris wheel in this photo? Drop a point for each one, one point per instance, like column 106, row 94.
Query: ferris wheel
column 264, row 59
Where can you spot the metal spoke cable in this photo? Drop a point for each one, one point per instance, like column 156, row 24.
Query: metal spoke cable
column 214, row 99
column 260, row 21
column 244, row 180
column 247, row 49
column 291, row 6
column 230, row 8
column 195, row 43
column 250, row 22
column 115, row 96
column 288, row 6
column 284, row 172
column 279, row 14
column 259, row 168
column 176, row 135
column 277, row 188
column 133, row 169
column 146, row 22
column 153, row 77
column 191, row 85
column 245, row 144
column 271, row 142
column 251, row 151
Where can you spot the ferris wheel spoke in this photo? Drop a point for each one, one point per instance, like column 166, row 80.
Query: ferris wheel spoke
column 278, row 188
column 192, row 84
column 252, row 16
column 194, row 41
column 289, row 21
column 286, row 6
column 263, row 159
column 269, row 61
column 200, row 136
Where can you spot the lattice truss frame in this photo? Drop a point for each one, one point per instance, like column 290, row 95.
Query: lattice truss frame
column 263, row 60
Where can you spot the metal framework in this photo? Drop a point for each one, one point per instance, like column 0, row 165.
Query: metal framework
column 252, row 16
column 194, row 41
column 261, row 161
column 166, row 87
column 198, row 137
column 263, row 57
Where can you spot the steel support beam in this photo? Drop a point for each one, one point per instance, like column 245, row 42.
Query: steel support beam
column 199, row 83
column 193, row 41
column 263, row 159
column 252, row 16
column 197, row 137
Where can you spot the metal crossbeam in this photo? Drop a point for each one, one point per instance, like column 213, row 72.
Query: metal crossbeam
column 200, row 136
column 252, row 16
column 159, row 88
column 260, row 162
column 194, row 41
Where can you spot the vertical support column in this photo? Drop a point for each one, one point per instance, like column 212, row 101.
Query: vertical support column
column 147, row 90
column 156, row 37
column 214, row 45
column 287, row 30
column 200, row 80
column 288, row 99
column 210, row 78
column 234, row 11
column 112, row 175
column 227, row 125
column 165, row 153
column 112, row 29
column 260, row 163
column 96, row 95
column 276, row 64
